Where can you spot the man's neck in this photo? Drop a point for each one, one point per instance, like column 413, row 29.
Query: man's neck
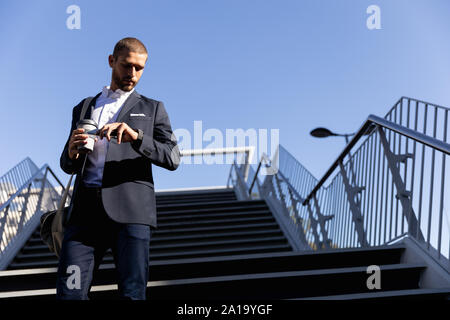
column 113, row 87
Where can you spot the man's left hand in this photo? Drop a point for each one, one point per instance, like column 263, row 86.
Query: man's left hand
column 124, row 132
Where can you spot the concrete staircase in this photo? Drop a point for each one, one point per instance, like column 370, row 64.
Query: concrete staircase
column 209, row 245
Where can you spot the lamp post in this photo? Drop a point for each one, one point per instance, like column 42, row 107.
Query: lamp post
column 324, row 133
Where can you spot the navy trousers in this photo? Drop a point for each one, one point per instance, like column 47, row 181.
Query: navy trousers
column 88, row 235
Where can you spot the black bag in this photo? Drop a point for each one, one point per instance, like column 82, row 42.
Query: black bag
column 53, row 222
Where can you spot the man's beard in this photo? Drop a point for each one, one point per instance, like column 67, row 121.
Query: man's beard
column 121, row 85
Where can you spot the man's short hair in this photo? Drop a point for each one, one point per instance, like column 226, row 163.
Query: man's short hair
column 129, row 44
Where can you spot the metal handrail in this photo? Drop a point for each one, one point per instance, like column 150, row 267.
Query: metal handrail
column 26, row 192
column 377, row 192
column 247, row 150
column 57, row 180
column 264, row 158
column 25, row 185
column 424, row 102
column 372, row 119
column 239, row 184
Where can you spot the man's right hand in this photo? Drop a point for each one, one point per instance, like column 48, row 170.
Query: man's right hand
column 76, row 139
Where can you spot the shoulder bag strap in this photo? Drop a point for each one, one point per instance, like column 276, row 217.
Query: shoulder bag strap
column 86, row 104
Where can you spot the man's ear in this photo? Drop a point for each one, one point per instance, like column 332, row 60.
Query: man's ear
column 111, row 60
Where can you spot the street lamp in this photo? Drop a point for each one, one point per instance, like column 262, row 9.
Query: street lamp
column 324, row 133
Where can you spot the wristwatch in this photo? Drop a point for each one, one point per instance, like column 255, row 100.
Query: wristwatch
column 138, row 141
column 140, row 134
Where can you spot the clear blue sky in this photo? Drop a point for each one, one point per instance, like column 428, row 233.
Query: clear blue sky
column 287, row 65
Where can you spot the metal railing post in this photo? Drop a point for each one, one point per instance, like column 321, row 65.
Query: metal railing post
column 298, row 220
column 313, row 222
column 322, row 219
column 402, row 194
column 41, row 193
column 355, row 206
column 24, row 209
column 3, row 222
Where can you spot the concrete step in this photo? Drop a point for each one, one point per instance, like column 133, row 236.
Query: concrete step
column 51, row 261
column 203, row 230
column 216, row 222
column 183, row 246
column 274, row 285
column 214, row 266
column 194, row 195
column 39, row 246
column 192, row 199
column 205, row 211
column 390, row 295
column 210, row 205
column 214, row 215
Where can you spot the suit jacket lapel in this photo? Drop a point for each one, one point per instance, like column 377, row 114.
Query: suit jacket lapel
column 88, row 114
column 128, row 104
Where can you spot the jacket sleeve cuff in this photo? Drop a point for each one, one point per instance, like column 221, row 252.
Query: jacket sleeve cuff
column 143, row 144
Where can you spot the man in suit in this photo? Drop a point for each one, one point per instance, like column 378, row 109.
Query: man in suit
column 114, row 200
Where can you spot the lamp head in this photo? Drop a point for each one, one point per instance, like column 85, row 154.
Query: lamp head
column 321, row 133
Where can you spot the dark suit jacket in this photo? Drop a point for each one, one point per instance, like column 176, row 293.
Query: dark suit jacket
column 127, row 188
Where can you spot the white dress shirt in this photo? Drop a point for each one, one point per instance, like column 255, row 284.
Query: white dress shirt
column 106, row 110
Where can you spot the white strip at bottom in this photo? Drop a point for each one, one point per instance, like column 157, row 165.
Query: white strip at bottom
column 43, row 292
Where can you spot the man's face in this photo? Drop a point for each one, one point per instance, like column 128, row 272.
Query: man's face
column 127, row 69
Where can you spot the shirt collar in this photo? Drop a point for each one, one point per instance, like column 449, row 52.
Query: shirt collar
column 108, row 93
